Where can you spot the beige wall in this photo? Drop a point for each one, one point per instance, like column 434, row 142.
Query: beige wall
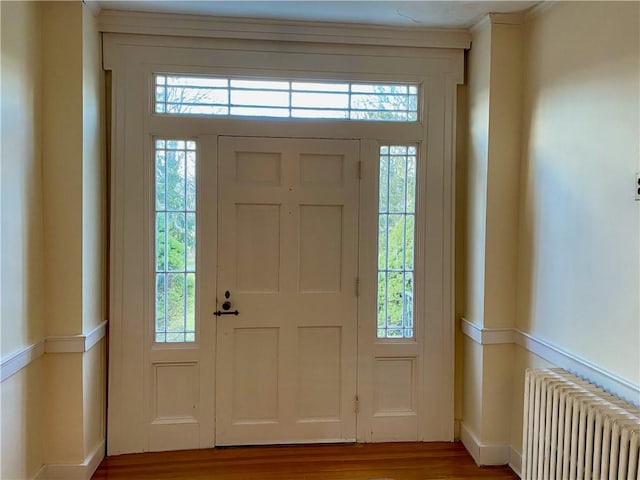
column 479, row 60
column 578, row 282
column 553, row 231
column 579, row 276
column 63, row 147
column 494, row 102
column 21, row 190
column 52, row 188
column 93, row 175
column 21, row 256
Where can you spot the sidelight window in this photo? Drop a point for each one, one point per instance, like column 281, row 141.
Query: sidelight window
column 396, row 240
column 175, row 240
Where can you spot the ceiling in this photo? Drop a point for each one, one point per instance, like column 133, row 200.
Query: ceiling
column 416, row 13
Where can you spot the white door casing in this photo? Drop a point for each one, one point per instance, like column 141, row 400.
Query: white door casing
column 134, row 358
column 287, row 250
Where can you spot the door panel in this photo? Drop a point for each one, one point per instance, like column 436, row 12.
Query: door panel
column 288, row 243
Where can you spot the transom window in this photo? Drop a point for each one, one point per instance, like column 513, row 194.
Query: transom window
column 396, row 239
column 201, row 95
column 175, row 240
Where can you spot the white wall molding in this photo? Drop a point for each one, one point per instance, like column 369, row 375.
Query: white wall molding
column 538, row 9
column 94, row 336
column 483, row 453
column 63, row 344
column 560, row 357
column 93, row 6
column 584, row 368
column 20, row 359
column 487, row 336
column 79, row 471
column 148, row 23
column 514, row 18
column 76, row 343
column 515, row 461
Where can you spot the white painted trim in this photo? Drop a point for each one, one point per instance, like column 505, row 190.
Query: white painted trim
column 94, row 336
column 62, row 344
column 93, row 6
column 514, row 18
column 482, row 453
column 609, row 381
column 40, row 475
column 471, row 330
column 77, row 471
column 538, row 9
column 584, row 368
column 65, row 344
column 486, row 336
column 149, row 23
column 480, row 24
column 515, row 461
column 76, row 343
column 20, row 359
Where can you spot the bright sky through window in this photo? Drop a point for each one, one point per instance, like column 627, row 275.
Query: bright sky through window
column 199, row 95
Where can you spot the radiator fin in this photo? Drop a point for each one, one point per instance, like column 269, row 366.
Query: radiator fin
column 575, row 430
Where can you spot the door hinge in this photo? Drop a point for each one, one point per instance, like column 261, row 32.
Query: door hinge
column 357, row 286
column 360, row 169
column 356, row 404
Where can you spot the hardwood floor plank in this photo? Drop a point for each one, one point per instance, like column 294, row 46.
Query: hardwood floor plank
column 379, row 461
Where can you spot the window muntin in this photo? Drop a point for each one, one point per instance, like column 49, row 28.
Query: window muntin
column 396, row 241
column 175, row 240
column 200, row 95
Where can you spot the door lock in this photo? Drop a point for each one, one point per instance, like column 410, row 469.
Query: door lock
column 226, row 307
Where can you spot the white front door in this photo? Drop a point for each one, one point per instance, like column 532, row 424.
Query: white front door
column 287, row 263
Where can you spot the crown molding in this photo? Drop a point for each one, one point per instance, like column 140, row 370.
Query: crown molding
column 515, row 18
column 93, row 6
column 116, row 21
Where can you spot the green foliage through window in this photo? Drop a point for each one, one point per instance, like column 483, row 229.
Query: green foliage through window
column 396, row 240
column 175, row 240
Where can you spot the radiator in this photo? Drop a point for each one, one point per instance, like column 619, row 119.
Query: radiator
column 575, row 430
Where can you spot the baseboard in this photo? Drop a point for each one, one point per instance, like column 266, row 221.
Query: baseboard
column 41, row 473
column 515, row 461
column 482, row 453
column 80, row 471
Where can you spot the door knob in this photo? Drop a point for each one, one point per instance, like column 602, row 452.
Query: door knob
column 226, row 305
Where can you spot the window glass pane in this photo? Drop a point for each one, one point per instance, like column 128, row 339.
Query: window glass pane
column 259, row 98
column 161, row 173
column 320, row 87
column 396, row 240
column 260, row 84
column 320, row 100
column 161, row 240
column 195, row 95
column 175, row 240
column 315, row 113
column 260, row 112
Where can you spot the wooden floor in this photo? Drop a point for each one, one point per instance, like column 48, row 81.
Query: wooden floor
column 379, row 461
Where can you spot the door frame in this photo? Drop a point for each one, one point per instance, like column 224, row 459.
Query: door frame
column 133, row 58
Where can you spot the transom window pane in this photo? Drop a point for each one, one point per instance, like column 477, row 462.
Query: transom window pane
column 396, row 240
column 175, row 240
column 199, row 95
